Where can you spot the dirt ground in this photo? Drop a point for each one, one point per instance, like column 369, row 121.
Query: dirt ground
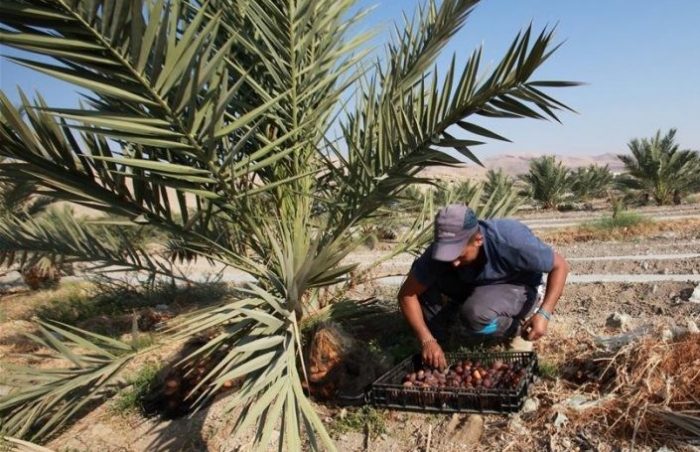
column 581, row 315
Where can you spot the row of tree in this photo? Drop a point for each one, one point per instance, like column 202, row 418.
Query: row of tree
column 655, row 169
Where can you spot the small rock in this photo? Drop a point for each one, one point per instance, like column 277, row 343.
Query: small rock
column 645, row 265
column 618, row 320
column 469, row 432
column 517, row 426
column 666, row 271
column 654, row 288
column 692, row 327
column 560, row 419
column 695, row 296
column 580, row 402
column 518, row 344
column 565, row 444
column 530, row 405
column 667, row 334
column 384, row 436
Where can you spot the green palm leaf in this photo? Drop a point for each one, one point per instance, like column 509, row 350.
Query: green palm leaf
column 44, row 400
column 548, row 181
column 658, row 167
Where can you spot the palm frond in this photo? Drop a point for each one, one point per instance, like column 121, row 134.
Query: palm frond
column 390, row 142
column 163, row 101
column 591, row 182
column 259, row 338
column 61, row 238
column 660, row 168
column 46, row 398
column 17, row 445
column 548, row 181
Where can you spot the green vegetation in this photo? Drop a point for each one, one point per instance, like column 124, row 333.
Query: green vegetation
column 590, row 182
column 659, row 169
column 401, row 345
column 215, row 123
column 498, row 184
column 547, row 182
column 622, row 220
column 365, row 419
column 487, row 201
column 130, row 399
column 549, row 370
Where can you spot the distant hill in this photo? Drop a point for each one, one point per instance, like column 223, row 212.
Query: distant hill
column 518, row 164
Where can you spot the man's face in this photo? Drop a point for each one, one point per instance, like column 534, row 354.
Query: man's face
column 470, row 252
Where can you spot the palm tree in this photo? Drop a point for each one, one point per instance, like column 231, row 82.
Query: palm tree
column 591, row 182
column 499, row 190
column 20, row 201
column 498, row 183
column 658, row 168
column 214, row 122
column 548, row 181
column 487, row 204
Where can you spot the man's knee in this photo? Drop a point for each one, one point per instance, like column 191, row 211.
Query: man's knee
column 479, row 322
column 481, row 313
column 474, row 317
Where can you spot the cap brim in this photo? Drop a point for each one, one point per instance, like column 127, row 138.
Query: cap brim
column 447, row 252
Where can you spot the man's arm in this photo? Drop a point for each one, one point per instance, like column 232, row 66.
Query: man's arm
column 410, row 306
column 536, row 327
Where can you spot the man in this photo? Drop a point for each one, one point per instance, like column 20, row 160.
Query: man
column 484, row 272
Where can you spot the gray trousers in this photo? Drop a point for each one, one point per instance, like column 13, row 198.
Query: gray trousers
column 487, row 311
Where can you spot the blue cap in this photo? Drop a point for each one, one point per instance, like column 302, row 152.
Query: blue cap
column 454, row 226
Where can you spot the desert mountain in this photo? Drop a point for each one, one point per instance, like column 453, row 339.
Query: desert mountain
column 514, row 164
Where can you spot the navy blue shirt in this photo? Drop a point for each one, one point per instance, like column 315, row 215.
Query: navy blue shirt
column 511, row 254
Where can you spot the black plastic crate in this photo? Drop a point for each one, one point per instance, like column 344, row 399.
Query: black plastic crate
column 388, row 390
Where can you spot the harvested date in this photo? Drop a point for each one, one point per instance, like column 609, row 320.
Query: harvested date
column 466, row 374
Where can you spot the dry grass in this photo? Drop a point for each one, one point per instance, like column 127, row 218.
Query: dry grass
column 587, row 233
column 655, row 382
column 645, row 395
column 655, row 377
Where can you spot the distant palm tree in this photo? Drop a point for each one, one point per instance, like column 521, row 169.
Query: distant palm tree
column 659, row 169
column 548, row 181
column 591, row 182
column 497, row 183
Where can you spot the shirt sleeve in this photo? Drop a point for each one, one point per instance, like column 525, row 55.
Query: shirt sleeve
column 527, row 253
column 423, row 268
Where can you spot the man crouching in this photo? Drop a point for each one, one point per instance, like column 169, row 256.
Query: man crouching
column 486, row 273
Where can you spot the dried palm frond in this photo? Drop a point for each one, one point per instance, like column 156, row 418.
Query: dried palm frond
column 654, row 393
column 10, row 444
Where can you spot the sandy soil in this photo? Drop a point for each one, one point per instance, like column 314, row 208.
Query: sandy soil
column 582, row 311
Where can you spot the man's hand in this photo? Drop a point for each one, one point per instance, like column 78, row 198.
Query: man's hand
column 433, row 355
column 535, row 328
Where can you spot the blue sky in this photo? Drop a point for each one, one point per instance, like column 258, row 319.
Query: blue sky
column 640, row 60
